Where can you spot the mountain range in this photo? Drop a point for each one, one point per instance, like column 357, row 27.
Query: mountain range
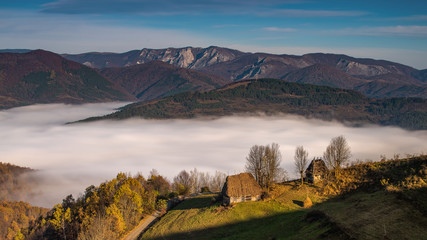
column 374, row 78
column 45, row 77
column 28, row 77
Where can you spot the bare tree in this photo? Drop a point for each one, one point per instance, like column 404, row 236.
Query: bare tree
column 337, row 153
column 182, row 182
column 195, row 180
column 254, row 163
column 301, row 161
column 272, row 160
column 153, row 172
column 263, row 162
column 217, row 181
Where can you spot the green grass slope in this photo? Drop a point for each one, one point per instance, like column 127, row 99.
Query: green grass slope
column 199, row 218
column 378, row 208
column 271, row 96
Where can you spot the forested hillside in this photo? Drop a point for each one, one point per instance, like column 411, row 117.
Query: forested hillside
column 45, row 77
column 105, row 212
column 271, row 96
column 15, row 217
column 12, row 185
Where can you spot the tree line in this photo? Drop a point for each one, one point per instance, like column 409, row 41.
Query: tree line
column 115, row 207
column 263, row 162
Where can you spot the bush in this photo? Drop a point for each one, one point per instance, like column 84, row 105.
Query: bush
column 205, row 190
column 172, row 195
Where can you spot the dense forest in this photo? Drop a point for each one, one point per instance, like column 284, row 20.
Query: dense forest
column 15, row 217
column 271, row 96
column 12, row 183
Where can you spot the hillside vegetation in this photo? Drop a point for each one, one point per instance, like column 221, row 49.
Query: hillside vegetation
column 383, row 200
column 106, row 212
column 12, row 185
column 158, row 79
column 45, row 77
column 15, row 217
column 271, row 96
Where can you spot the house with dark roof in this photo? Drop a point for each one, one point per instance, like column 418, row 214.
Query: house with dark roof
column 316, row 170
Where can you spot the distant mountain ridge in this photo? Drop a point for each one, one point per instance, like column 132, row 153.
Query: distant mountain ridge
column 375, row 78
column 45, row 77
column 157, row 79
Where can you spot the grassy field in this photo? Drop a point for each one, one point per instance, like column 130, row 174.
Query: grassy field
column 362, row 215
column 371, row 211
column 281, row 218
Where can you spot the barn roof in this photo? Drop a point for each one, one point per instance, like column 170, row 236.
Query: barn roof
column 243, row 184
column 316, row 165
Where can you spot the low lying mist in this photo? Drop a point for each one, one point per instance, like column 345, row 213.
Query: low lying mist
column 72, row 157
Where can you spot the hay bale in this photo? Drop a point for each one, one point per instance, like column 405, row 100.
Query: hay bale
column 307, row 203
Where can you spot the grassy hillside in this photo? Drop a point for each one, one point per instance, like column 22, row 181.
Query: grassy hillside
column 273, row 96
column 390, row 206
column 199, row 218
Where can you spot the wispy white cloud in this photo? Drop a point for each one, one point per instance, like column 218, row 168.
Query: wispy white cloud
column 73, row 34
column 311, row 13
column 226, row 26
column 411, row 18
column 399, row 30
column 277, row 29
column 158, row 6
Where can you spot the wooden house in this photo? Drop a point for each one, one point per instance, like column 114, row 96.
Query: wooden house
column 316, row 170
column 241, row 188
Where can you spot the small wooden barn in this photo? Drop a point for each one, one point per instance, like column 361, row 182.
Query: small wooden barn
column 316, row 170
column 241, row 188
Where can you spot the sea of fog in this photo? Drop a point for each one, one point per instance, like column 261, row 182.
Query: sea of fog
column 71, row 157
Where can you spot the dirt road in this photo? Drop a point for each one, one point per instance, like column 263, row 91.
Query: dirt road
column 143, row 225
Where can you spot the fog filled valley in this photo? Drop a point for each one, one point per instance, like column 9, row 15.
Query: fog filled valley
column 70, row 157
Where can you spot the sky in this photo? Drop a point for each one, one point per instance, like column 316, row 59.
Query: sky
column 69, row 158
column 393, row 30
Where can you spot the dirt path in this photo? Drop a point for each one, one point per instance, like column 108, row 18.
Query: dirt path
column 143, row 225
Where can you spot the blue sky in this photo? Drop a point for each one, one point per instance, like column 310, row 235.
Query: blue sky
column 392, row 30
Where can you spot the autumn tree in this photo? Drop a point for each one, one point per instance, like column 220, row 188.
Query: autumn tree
column 60, row 219
column 337, row 153
column 301, row 161
column 263, row 162
column 158, row 183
